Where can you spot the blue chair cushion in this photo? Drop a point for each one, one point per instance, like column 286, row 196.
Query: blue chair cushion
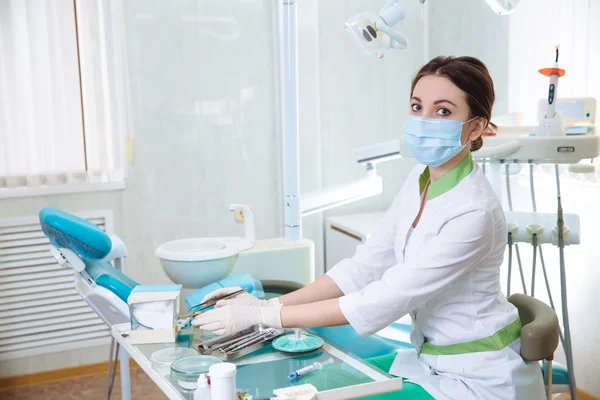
column 108, row 277
column 393, row 338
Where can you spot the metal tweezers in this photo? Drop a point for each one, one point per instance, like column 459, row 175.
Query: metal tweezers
column 203, row 306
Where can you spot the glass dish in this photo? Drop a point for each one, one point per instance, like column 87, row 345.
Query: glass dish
column 186, row 371
column 162, row 359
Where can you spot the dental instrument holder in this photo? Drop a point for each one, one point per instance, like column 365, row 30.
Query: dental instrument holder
column 238, row 344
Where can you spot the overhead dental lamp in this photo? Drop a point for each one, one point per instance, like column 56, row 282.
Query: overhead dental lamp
column 374, row 34
column 503, row 7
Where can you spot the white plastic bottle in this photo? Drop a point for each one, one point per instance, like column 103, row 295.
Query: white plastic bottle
column 222, row 381
column 203, row 389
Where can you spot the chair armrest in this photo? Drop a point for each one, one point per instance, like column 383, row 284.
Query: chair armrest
column 540, row 331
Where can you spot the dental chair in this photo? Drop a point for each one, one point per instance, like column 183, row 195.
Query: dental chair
column 82, row 246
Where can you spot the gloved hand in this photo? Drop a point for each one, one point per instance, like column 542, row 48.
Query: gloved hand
column 234, row 318
column 244, row 298
column 220, row 292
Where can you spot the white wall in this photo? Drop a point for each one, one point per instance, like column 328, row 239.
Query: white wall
column 470, row 28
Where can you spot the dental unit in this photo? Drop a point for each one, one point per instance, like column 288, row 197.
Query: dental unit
column 566, row 135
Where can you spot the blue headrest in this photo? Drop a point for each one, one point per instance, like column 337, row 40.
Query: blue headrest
column 76, row 234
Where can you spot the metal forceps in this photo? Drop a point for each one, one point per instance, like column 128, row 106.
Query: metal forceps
column 207, row 304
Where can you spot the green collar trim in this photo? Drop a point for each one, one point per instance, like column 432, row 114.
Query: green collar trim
column 448, row 180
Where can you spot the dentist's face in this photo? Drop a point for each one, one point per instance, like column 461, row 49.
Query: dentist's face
column 437, row 97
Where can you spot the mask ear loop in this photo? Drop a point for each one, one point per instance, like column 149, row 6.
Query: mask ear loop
column 466, row 122
column 472, row 119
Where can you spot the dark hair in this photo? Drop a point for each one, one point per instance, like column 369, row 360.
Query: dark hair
column 471, row 76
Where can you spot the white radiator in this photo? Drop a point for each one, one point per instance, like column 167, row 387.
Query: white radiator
column 40, row 310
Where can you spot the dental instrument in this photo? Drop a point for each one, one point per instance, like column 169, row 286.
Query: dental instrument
column 563, row 289
column 541, row 250
column 248, row 342
column 212, row 302
column 534, row 244
column 238, row 344
column 552, row 124
column 244, row 340
column 510, row 208
column 313, row 367
column 512, row 228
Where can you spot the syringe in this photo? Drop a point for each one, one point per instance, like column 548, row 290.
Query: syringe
column 314, row 366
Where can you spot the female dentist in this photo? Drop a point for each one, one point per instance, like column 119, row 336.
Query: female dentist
column 436, row 255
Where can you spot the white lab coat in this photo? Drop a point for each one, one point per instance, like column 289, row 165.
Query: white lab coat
column 446, row 274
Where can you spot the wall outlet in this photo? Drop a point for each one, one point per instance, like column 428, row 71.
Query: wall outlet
column 239, row 215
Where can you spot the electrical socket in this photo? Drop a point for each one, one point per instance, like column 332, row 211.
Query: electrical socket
column 239, row 215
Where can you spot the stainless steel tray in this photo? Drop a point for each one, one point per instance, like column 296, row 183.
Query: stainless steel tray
column 238, row 344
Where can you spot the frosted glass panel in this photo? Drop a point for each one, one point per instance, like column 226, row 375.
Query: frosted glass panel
column 203, row 82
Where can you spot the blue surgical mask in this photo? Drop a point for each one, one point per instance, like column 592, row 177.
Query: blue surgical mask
column 433, row 141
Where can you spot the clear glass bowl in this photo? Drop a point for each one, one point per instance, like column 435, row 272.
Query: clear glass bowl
column 162, row 359
column 186, row 371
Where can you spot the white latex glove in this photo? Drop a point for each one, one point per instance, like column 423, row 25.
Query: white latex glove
column 246, row 299
column 234, row 318
column 242, row 299
column 220, row 292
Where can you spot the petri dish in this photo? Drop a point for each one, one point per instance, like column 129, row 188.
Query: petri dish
column 162, row 359
column 186, row 371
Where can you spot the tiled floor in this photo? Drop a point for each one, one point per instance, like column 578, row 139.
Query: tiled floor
column 87, row 388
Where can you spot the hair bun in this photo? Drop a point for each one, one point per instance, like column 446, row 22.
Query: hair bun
column 477, row 144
